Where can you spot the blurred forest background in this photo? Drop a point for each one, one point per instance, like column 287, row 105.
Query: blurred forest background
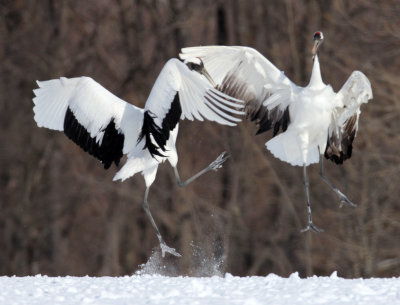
column 60, row 211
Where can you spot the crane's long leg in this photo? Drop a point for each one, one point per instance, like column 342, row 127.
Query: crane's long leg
column 342, row 197
column 215, row 165
column 163, row 245
column 306, row 186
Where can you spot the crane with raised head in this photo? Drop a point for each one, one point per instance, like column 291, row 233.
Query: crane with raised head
column 315, row 122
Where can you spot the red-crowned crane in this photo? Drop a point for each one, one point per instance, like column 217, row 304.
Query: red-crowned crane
column 107, row 127
column 315, row 121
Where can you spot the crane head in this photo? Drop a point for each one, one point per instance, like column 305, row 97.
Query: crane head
column 318, row 39
column 196, row 64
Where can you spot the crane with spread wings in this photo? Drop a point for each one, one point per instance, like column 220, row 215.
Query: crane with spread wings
column 315, row 122
column 107, row 127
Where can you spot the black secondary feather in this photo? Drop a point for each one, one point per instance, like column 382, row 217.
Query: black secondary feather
column 340, row 147
column 160, row 135
column 255, row 111
column 111, row 146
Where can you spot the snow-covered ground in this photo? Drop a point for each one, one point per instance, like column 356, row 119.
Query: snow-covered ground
column 158, row 289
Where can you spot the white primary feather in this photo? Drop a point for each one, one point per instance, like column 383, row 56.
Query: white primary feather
column 355, row 92
column 246, row 63
column 93, row 106
column 193, row 88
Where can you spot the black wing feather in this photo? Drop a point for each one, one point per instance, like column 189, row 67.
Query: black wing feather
column 255, row 111
column 111, row 147
column 339, row 147
column 160, row 135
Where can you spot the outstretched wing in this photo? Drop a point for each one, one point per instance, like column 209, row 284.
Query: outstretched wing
column 180, row 93
column 99, row 122
column 344, row 125
column 244, row 73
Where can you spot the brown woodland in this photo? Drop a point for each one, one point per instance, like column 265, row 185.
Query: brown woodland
column 60, row 211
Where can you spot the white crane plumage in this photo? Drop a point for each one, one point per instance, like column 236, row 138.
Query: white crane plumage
column 315, row 121
column 107, row 127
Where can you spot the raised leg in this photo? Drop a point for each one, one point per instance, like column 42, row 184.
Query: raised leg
column 163, row 245
column 215, row 165
column 306, row 185
column 342, row 197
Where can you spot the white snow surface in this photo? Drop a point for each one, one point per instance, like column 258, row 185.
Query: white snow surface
column 159, row 289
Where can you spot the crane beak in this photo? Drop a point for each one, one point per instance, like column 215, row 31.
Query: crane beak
column 208, row 76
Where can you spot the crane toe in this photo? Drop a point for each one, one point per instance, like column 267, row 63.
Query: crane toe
column 217, row 163
column 311, row 227
column 165, row 248
column 343, row 199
